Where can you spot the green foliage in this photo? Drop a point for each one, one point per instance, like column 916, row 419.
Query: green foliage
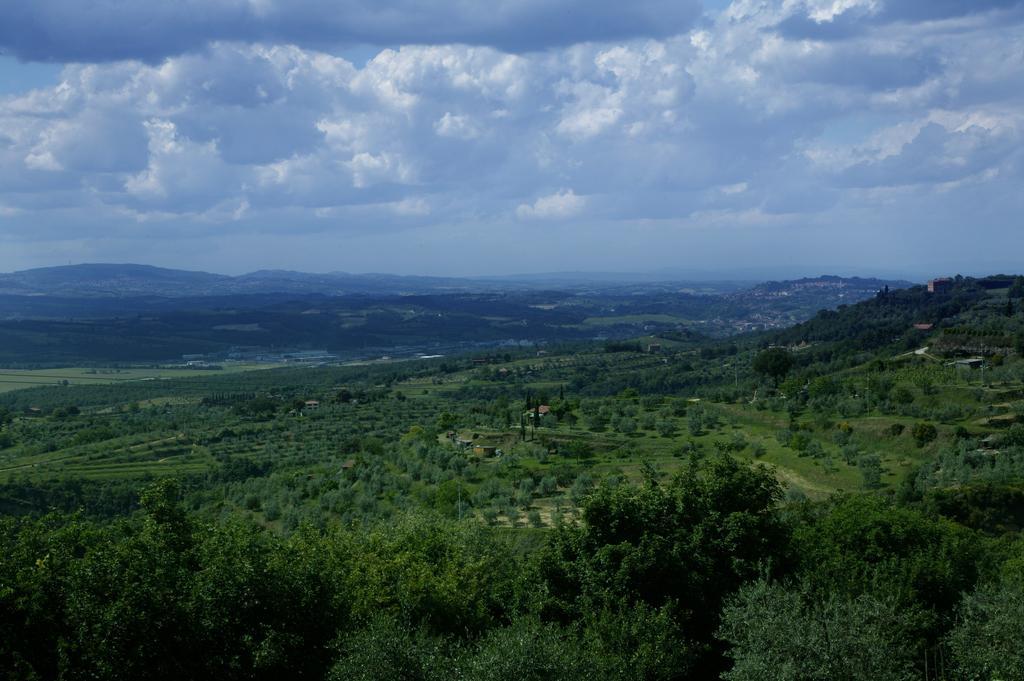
column 870, row 466
column 534, row 651
column 795, row 635
column 924, row 433
column 1017, row 288
column 683, row 546
column 988, row 640
column 992, row 507
column 258, row 408
column 386, row 648
column 325, row 543
column 666, row 427
column 446, row 421
column 450, row 577
column 902, row 395
column 695, row 422
column 165, row 604
column 775, row 363
column 862, row 544
column 166, row 598
column 626, row 426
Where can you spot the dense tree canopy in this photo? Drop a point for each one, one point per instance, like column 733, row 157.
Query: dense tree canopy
column 775, row 363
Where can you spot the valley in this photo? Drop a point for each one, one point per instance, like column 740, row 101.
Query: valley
column 856, row 422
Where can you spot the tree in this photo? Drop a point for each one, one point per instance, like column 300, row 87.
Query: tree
column 988, row 641
column 794, row 635
column 578, row 449
column 679, row 547
column 627, row 426
column 446, row 421
column 695, row 422
column 870, row 466
column 446, row 575
column 387, row 648
column 775, row 363
column 581, row 488
column 126, row 612
column 863, row 544
column 924, row 433
column 902, row 395
column 530, row 650
column 1017, row 288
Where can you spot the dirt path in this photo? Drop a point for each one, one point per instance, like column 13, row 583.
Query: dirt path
column 792, row 478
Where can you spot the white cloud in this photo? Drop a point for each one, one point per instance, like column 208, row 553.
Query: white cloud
column 182, row 175
column 459, row 127
column 827, row 10
column 731, row 189
column 369, row 169
column 40, row 159
column 747, row 115
column 412, row 207
column 593, row 110
column 558, row 206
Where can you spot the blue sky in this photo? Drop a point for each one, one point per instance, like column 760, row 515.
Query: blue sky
column 18, row 76
column 462, row 138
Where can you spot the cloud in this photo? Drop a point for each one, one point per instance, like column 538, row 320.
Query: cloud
column 94, row 141
column 457, row 126
column 558, row 206
column 936, row 155
column 411, row 207
column 182, row 175
column 152, row 30
column 844, row 19
column 735, row 125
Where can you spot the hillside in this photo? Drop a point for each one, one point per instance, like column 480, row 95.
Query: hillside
column 109, row 280
column 131, row 281
column 447, row 510
column 126, row 281
column 115, row 313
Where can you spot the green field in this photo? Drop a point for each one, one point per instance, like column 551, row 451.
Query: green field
column 627, row 410
column 15, row 379
column 634, row 319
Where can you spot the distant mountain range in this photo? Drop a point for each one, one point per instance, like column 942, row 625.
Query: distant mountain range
column 128, row 313
column 129, row 280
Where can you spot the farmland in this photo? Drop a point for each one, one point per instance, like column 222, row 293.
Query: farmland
column 517, row 491
column 19, row 379
column 617, row 413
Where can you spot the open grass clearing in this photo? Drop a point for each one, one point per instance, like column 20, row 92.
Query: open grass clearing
column 18, row 379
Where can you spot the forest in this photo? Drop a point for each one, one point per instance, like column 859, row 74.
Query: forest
column 843, row 499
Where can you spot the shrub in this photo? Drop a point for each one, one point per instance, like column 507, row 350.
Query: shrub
column 924, row 433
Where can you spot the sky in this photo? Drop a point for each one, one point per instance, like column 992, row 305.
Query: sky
column 459, row 137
